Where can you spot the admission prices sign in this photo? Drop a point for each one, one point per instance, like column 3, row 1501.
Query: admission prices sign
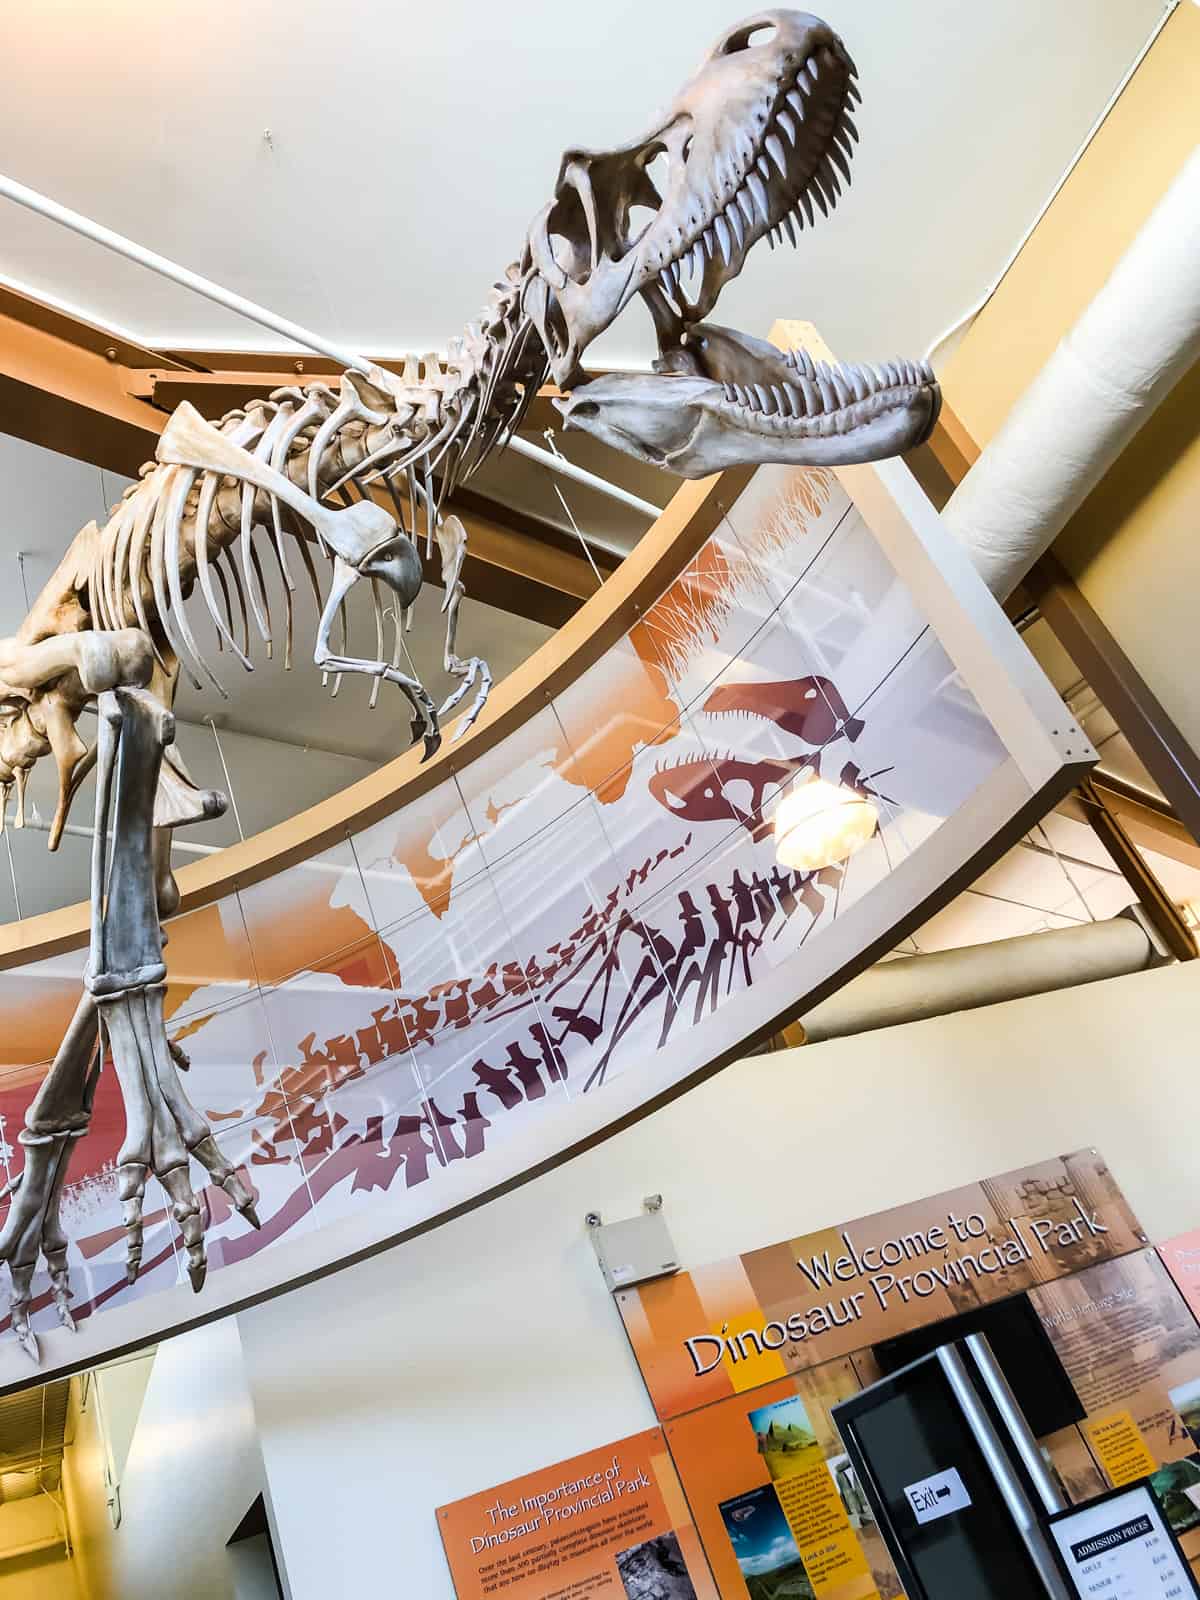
column 726, row 1328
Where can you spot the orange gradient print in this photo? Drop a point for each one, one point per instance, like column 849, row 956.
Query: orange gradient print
column 604, row 1525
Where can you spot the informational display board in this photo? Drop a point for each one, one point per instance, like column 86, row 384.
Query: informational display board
column 776, row 1501
column 1121, row 1548
column 1181, row 1257
column 611, row 1524
column 1131, row 1348
column 719, row 1330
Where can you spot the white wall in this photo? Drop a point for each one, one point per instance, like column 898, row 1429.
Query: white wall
column 501, row 1318
column 192, row 1473
column 43, row 1574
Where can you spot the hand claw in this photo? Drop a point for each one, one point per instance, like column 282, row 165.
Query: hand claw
column 474, row 671
column 60, row 1286
column 22, row 1283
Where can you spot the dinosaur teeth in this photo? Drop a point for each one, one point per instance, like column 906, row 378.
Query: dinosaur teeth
column 721, row 228
column 841, row 388
column 805, row 201
column 764, row 399
column 796, row 100
column 746, row 205
column 837, row 156
column 733, row 217
column 786, row 225
column 849, row 127
column 788, row 126
column 795, row 400
column 775, row 151
column 759, row 190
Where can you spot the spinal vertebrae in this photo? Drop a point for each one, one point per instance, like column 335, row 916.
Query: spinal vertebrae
column 341, row 479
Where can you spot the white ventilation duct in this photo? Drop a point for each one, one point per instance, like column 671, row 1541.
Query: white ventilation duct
column 914, row 988
column 1121, row 359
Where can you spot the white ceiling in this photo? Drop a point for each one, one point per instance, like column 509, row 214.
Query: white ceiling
column 409, row 146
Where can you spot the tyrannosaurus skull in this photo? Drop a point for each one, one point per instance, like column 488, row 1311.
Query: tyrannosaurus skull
column 757, row 144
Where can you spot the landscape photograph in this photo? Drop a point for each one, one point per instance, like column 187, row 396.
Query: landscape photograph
column 766, row 1553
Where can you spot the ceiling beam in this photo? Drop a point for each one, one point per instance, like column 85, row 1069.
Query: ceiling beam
column 73, row 387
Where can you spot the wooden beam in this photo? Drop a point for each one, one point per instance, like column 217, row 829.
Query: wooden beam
column 1140, row 715
column 70, row 398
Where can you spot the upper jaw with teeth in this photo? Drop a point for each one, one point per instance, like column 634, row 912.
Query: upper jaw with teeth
column 789, row 164
column 755, row 145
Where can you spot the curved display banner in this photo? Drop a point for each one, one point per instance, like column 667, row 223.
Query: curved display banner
column 580, row 919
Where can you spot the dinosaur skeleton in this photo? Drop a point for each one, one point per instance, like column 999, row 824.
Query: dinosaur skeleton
column 755, row 145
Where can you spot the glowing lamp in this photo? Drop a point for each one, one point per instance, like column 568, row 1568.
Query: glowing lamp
column 819, row 824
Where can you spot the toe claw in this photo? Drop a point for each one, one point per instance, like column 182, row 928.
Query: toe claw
column 250, row 1213
column 197, row 1272
column 27, row 1339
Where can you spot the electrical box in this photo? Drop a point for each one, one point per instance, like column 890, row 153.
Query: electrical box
column 635, row 1250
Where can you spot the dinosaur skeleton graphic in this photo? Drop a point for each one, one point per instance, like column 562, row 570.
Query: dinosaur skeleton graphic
column 755, row 145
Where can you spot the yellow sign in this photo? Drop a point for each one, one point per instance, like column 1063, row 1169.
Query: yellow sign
column 1120, row 1448
column 833, row 1559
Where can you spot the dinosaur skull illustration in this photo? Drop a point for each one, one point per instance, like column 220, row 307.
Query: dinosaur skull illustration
column 757, row 144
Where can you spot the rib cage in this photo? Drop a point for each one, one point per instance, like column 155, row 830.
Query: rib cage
column 178, row 529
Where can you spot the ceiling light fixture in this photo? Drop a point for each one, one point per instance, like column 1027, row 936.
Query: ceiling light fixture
column 819, row 824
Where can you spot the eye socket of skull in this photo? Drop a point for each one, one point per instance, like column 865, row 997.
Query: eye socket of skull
column 752, row 34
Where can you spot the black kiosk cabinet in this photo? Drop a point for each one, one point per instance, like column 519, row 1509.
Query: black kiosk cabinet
column 956, row 1479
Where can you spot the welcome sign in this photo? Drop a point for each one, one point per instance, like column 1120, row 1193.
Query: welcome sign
column 729, row 1327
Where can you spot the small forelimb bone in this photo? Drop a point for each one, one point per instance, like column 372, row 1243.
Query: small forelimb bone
column 425, row 722
column 452, row 542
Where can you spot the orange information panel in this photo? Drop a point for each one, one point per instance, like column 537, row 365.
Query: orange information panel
column 608, row 1525
column 777, row 1504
